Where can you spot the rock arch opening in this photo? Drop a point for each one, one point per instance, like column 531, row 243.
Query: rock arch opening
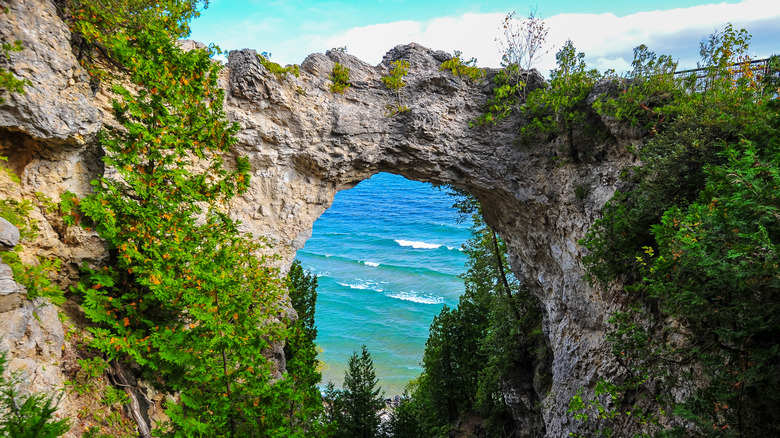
column 388, row 256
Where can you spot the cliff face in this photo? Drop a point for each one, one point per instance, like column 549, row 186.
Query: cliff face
column 305, row 144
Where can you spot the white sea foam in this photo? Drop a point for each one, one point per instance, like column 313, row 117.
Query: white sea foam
column 411, row 296
column 372, row 264
column 368, row 285
column 417, row 245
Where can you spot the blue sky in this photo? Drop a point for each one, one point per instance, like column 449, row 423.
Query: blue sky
column 605, row 30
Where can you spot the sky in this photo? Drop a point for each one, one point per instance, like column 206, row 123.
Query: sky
column 605, row 30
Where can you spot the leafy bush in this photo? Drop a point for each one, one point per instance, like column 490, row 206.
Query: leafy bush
column 561, row 108
column 95, row 25
column 277, row 69
column 8, row 81
column 696, row 243
column 36, row 278
column 459, row 67
column 340, row 78
column 185, row 296
column 395, row 81
column 505, row 96
column 492, row 336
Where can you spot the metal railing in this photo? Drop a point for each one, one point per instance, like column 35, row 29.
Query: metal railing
column 700, row 77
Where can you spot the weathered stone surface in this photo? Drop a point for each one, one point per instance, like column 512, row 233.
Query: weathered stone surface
column 9, row 235
column 58, row 105
column 305, row 144
column 12, row 294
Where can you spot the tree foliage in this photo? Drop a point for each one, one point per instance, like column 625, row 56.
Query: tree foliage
column 695, row 241
column 561, row 107
column 306, row 410
column 340, row 78
column 354, row 409
column 395, row 82
column 493, row 334
column 95, row 24
column 185, row 295
column 8, row 81
column 460, row 67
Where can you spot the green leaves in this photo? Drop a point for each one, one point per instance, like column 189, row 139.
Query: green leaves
column 506, row 87
column 26, row 415
column 186, row 296
column 395, row 81
column 360, row 400
column 459, row 67
column 98, row 26
column 491, row 338
column 696, row 241
column 561, row 108
column 340, row 78
column 277, row 69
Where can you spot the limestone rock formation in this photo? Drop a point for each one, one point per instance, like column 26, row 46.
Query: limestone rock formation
column 32, row 335
column 58, row 105
column 305, row 144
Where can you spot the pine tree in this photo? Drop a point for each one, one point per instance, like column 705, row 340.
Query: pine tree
column 300, row 351
column 360, row 398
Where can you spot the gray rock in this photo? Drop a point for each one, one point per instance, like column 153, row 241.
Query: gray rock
column 9, row 235
column 58, row 105
column 12, row 294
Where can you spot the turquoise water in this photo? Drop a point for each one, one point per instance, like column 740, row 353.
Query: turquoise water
column 388, row 256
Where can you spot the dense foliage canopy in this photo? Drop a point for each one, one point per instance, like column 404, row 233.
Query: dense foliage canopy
column 695, row 242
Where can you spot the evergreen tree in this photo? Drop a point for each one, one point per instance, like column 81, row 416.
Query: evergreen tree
column 493, row 335
column 360, row 399
column 407, row 420
column 185, row 296
column 303, row 294
column 300, row 351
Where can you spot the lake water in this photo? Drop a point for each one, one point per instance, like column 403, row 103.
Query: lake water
column 388, row 257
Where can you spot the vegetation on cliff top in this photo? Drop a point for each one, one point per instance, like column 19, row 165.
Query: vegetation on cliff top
column 695, row 241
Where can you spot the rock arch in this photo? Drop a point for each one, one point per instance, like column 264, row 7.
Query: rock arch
column 306, row 143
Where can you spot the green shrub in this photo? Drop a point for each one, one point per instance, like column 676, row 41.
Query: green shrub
column 277, row 69
column 561, row 108
column 506, row 87
column 458, row 67
column 26, row 415
column 696, row 242
column 395, row 81
column 185, row 296
column 36, row 278
column 340, row 78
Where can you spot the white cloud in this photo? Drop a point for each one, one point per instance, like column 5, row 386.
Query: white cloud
column 606, row 39
column 473, row 34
